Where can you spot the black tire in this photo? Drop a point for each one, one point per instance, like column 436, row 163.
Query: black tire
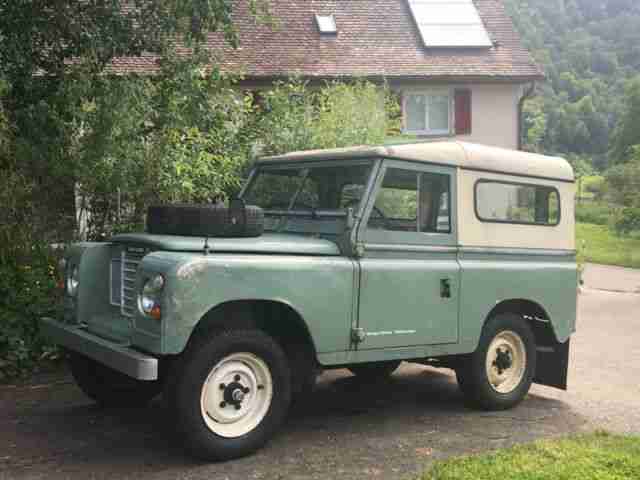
column 375, row 370
column 189, row 375
column 472, row 375
column 236, row 220
column 108, row 387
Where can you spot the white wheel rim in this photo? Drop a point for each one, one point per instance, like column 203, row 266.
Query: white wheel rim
column 236, row 395
column 506, row 362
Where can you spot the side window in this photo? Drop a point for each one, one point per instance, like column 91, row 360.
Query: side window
column 517, row 203
column 396, row 207
column 410, row 201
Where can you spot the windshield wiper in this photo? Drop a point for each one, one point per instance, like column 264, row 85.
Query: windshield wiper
column 311, row 212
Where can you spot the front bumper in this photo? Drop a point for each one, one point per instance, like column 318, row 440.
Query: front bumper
column 113, row 355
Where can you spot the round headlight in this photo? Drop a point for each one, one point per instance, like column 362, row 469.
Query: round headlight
column 149, row 300
column 73, row 281
column 154, row 284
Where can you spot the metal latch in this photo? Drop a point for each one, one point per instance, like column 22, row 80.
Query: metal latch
column 358, row 335
column 445, row 288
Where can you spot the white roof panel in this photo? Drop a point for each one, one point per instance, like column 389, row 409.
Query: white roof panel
column 454, row 153
column 449, row 23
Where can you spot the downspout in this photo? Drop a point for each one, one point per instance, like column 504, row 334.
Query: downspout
column 525, row 96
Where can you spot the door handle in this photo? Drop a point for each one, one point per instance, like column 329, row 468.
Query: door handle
column 445, row 288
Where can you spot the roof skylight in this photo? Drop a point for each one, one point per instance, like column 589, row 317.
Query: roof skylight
column 449, row 23
column 326, row 24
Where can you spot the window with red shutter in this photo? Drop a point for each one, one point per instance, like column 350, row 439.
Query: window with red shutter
column 427, row 112
column 463, row 111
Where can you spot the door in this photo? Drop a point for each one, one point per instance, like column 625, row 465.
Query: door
column 409, row 272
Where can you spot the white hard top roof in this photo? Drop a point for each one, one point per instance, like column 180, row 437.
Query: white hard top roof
column 459, row 154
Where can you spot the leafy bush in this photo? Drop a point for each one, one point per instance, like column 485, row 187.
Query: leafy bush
column 592, row 187
column 188, row 134
column 27, row 281
column 28, row 291
column 627, row 221
column 178, row 137
column 296, row 117
column 596, row 213
column 624, row 181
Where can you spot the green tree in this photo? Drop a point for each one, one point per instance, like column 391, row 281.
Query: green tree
column 40, row 37
column 588, row 48
column 627, row 133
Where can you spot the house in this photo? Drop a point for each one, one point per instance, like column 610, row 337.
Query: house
column 458, row 65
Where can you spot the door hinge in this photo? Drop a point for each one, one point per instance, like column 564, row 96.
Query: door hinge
column 358, row 335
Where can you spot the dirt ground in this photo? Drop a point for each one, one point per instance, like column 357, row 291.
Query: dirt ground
column 393, row 430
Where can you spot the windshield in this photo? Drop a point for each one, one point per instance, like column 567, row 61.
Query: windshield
column 314, row 190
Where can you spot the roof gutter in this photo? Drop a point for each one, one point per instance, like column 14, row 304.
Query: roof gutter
column 528, row 93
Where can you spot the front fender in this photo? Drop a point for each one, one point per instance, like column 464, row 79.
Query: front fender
column 319, row 288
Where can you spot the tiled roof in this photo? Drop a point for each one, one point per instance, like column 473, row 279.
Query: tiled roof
column 376, row 38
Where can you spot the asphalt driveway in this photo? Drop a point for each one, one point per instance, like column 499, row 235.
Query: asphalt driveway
column 349, row 429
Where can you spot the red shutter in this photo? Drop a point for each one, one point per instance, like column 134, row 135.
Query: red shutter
column 463, row 112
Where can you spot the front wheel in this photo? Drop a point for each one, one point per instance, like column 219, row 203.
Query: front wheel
column 498, row 375
column 229, row 394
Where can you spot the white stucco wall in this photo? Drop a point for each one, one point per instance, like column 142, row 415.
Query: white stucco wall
column 494, row 111
column 494, row 115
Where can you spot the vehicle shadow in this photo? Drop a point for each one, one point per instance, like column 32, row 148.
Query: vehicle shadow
column 346, row 420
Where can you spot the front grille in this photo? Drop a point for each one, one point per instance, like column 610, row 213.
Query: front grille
column 124, row 266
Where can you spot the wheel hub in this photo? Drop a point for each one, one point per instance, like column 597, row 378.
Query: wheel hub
column 236, row 395
column 506, row 362
column 503, row 360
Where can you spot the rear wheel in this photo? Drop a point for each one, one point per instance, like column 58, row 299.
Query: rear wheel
column 498, row 375
column 229, row 394
column 374, row 370
column 109, row 387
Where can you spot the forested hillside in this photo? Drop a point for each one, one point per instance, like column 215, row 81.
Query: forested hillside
column 590, row 49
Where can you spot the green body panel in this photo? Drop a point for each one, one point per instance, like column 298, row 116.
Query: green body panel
column 92, row 305
column 401, row 303
column 319, row 289
column 267, row 243
column 489, row 278
column 323, row 291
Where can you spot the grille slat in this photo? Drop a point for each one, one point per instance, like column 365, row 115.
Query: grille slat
column 124, row 268
column 130, row 263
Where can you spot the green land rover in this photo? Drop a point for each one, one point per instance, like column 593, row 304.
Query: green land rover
column 447, row 254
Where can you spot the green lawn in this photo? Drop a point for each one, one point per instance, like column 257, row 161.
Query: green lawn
column 600, row 456
column 598, row 244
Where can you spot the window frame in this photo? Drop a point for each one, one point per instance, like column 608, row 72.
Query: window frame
column 397, row 238
column 429, row 92
column 322, row 27
column 298, row 165
column 419, row 187
column 515, row 222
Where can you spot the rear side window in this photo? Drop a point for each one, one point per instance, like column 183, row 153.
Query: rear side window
column 505, row 202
